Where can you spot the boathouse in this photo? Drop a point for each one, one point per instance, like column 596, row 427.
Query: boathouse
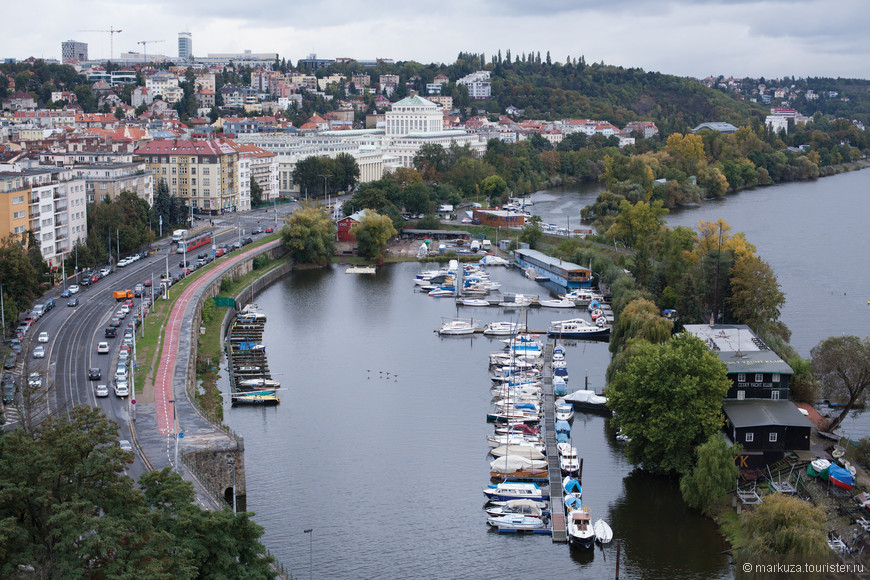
column 565, row 274
column 758, row 414
column 344, row 225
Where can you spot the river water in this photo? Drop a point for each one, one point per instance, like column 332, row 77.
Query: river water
column 378, row 444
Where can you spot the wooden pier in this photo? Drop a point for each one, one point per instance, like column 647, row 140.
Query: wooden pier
column 557, row 506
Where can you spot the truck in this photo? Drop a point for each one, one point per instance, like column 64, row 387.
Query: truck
column 122, row 294
column 179, row 235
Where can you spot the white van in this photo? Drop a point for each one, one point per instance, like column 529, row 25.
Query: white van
column 486, row 245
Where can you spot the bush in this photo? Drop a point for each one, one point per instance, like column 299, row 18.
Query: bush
column 226, row 284
column 260, row 261
column 208, row 311
column 862, row 452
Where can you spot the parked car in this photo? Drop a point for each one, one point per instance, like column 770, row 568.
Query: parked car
column 269, row 230
column 105, row 272
column 103, row 348
column 121, row 389
column 73, row 302
column 101, row 391
column 94, row 374
column 74, row 289
column 11, row 361
column 43, row 337
column 246, row 241
column 8, row 386
column 95, row 278
column 86, row 281
column 39, row 352
column 49, row 303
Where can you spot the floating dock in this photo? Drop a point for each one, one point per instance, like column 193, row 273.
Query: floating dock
column 557, row 505
column 246, row 355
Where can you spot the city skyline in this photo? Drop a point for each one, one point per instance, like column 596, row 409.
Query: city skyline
column 696, row 38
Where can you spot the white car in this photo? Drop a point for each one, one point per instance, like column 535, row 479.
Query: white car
column 39, row 352
column 125, row 309
column 121, row 389
column 103, row 348
column 34, row 380
column 74, row 289
column 101, row 391
column 43, row 337
column 105, row 272
column 121, row 314
column 125, row 445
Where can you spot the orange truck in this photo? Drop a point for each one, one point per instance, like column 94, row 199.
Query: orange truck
column 122, row 294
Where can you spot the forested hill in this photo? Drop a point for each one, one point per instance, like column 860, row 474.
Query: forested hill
column 615, row 94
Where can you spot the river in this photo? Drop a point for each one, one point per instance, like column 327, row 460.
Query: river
column 378, row 445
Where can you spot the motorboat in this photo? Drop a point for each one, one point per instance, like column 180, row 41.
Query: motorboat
column 558, row 354
column 569, row 463
column 516, row 522
column 517, row 300
column 502, row 328
column 603, row 533
column 526, row 450
column 571, row 488
column 561, row 303
column 441, row 293
column 514, row 416
column 457, row 326
column 560, row 372
column 564, row 412
column 473, row 302
column 587, row 399
column 581, row 297
column 580, row 530
column 509, row 490
column 560, row 387
column 255, row 398
column 516, row 438
column 578, row 328
column 259, row 383
column 526, row 507
column 519, row 468
column 507, row 358
column 517, row 428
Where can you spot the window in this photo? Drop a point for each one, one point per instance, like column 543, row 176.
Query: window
column 772, row 437
column 774, row 395
column 741, row 378
column 20, row 230
column 18, row 199
column 759, row 378
column 749, row 437
column 102, row 186
column 775, row 377
column 741, row 395
column 18, row 215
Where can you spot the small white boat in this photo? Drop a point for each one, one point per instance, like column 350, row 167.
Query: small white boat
column 506, row 491
column 514, row 439
column 503, row 328
column 569, row 463
column 457, row 326
column 564, row 412
column 579, row 528
column 269, row 383
column 557, row 304
column 526, row 451
column 516, row 522
column 603, row 533
column 526, row 507
column 473, row 302
column 441, row 293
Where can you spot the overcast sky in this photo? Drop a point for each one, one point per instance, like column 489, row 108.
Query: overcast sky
column 697, row 38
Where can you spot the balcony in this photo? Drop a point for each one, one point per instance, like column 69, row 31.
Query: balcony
column 59, row 207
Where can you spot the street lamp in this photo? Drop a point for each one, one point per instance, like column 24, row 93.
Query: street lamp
column 310, row 532
column 175, row 428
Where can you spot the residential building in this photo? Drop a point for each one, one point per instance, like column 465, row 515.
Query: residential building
column 445, row 101
column 312, row 63
column 205, row 98
column 73, row 51
column 19, row 101
column 388, row 84
column 68, row 96
column 204, row 173
column 141, row 96
column 776, row 123
column 645, row 128
column 478, row 84
column 165, row 84
column 51, row 202
column 262, row 166
column 204, row 81
column 433, row 89
column 107, row 180
column 123, row 77
column 185, row 46
column 345, row 224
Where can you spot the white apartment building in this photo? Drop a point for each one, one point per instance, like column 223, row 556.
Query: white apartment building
column 776, row 123
column 478, row 84
column 165, row 84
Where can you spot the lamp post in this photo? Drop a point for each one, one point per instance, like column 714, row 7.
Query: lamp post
column 175, row 429
column 232, row 462
column 133, row 378
column 310, row 532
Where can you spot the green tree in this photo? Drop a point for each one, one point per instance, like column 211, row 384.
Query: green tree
column 785, row 529
column 309, row 235
column 756, row 298
column 308, row 175
column 713, row 475
column 842, row 365
column 493, row 187
column 431, row 161
column 417, row 198
column 532, row 232
column 20, row 279
column 668, row 400
column 346, row 172
column 372, row 234
column 640, row 319
column 256, row 193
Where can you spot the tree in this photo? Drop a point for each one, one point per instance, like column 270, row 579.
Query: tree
column 713, row 475
column 783, row 528
column 431, row 161
column 372, row 234
column 640, row 319
column 532, row 233
column 417, row 198
column 842, row 365
column 668, row 400
column 756, row 298
column 256, row 193
column 346, row 172
column 308, row 175
column 493, row 187
column 309, row 235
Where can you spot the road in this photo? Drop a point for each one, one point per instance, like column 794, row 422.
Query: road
column 74, row 332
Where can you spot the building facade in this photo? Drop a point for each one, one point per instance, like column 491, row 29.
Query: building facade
column 72, row 50
column 204, row 173
column 107, row 181
column 185, row 45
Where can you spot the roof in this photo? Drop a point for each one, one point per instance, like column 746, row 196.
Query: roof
column 549, row 260
column 716, row 126
column 739, row 348
column 184, row 147
column 415, row 101
column 765, row 412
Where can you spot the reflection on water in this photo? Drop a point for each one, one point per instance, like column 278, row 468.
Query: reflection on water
column 379, row 444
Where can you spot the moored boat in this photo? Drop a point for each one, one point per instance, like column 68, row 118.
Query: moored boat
column 457, row 326
column 578, row 328
column 558, row 303
column 509, row 490
column 503, row 328
column 526, row 507
column 579, row 527
column 603, row 533
column 516, row 522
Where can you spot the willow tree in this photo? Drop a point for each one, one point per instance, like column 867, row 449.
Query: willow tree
column 309, row 235
column 784, row 530
column 640, row 319
column 842, row 365
column 372, row 234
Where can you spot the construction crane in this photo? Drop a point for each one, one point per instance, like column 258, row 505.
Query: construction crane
column 145, row 44
column 111, row 32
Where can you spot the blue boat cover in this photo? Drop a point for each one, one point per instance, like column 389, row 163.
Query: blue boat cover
column 563, row 427
column 573, row 502
column 560, row 371
column 529, row 406
column 840, row 474
column 562, row 438
column 572, row 486
column 594, row 304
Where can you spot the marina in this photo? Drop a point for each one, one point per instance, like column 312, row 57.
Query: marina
column 251, row 381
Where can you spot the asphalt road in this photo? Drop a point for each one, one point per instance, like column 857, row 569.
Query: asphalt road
column 74, row 332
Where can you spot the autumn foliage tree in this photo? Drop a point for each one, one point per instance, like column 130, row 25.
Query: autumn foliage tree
column 372, row 234
column 842, row 366
column 309, row 235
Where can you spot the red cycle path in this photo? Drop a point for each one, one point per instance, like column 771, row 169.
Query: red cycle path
column 163, row 392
